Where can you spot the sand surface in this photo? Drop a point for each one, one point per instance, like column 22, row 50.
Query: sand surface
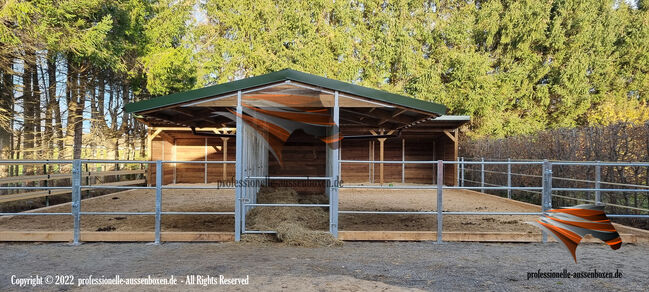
column 223, row 200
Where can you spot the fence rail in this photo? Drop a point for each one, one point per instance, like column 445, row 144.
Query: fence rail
column 545, row 189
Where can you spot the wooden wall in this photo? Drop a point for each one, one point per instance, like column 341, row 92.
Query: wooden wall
column 161, row 149
column 446, row 150
column 304, row 155
column 420, row 148
column 192, row 149
column 355, row 150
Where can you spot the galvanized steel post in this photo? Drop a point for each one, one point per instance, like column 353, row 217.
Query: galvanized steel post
column 238, row 170
column 509, row 178
column 546, row 198
column 76, row 199
column 598, row 179
column 158, row 199
column 462, row 171
column 440, row 190
column 482, row 175
column 457, row 172
column 335, row 175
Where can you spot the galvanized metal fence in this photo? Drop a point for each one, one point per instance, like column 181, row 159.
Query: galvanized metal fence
column 76, row 186
column 545, row 189
column 244, row 204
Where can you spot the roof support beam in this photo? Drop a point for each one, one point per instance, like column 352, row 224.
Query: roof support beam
column 453, row 136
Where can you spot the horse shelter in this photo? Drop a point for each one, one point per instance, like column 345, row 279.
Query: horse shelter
column 270, row 125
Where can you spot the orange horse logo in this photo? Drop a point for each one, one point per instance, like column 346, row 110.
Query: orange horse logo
column 274, row 117
column 570, row 225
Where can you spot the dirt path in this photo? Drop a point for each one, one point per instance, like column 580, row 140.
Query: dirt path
column 356, row 266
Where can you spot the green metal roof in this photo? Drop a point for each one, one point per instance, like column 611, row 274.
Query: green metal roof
column 278, row 76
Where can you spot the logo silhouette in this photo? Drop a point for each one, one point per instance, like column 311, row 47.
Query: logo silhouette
column 569, row 225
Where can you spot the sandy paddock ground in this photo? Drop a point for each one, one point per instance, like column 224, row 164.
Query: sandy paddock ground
column 350, row 199
column 223, row 200
column 355, row 266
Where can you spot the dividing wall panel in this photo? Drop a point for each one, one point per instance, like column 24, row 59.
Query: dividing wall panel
column 355, row 150
column 420, row 148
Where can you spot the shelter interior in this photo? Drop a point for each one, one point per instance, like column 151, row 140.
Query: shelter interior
column 371, row 130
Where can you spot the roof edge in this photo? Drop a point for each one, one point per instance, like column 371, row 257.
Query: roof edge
column 282, row 75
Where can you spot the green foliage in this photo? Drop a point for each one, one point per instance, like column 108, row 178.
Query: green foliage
column 170, row 70
column 514, row 66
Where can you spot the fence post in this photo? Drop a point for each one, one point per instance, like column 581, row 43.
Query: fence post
column 546, row 198
column 76, row 199
column 598, row 179
column 158, row 199
column 440, row 185
column 46, row 184
column 462, row 171
column 457, row 172
column 238, row 171
column 88, row 181
column 509, row 178
column 482, row 175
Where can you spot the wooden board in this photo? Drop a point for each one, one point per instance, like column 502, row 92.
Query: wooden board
column 457, row 236
column 67, row 236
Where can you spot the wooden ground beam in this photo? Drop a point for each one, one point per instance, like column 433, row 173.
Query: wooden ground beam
column 119, row 236
column 457, row 236
column 66, row 236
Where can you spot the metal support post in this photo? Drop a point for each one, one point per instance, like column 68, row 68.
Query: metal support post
column 238, row 170
column 440, row 190
column 457, row 173
column 482, row 175
column 158, row 199
column 333, row 193
column 598, row 179
column 403, row 160
column 88, row 181
column 45, row 183
column 509, row 178
column 76, row 199
column 546, row 199
column 462, row 171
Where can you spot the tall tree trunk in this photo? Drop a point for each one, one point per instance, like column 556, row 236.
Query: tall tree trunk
column 6, row 103
column 28, row 107
column 71, row 98
column 36, row 91
column 7, row 98
column 49, row 110
column 78, row 121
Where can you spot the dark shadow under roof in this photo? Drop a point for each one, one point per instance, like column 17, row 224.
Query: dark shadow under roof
column 279, row 76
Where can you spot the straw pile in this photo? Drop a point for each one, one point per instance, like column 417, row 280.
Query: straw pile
column 296, row 226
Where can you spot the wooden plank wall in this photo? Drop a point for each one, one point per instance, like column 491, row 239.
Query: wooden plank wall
column 392, row 152
column 426, row 148
column 302, row 155
column 305, row 155
column 161, row 149
column 215, row 153
column 354, row 150
column 421, row 149
column 192, row 149
column 445, row 149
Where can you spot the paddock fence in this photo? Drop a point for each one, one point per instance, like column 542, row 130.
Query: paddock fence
column 531, row 181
